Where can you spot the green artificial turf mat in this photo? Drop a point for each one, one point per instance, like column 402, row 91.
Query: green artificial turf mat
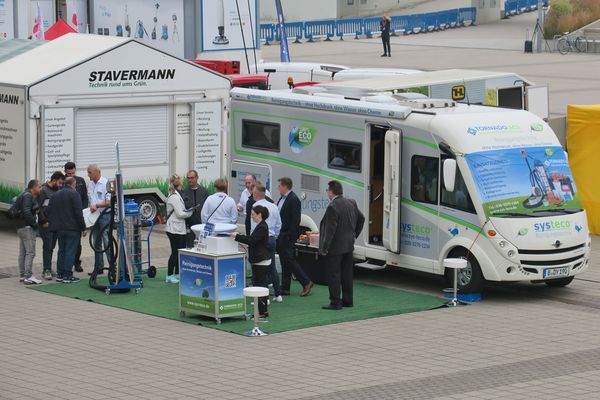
column 161, row 299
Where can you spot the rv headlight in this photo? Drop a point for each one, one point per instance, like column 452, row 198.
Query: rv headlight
column 511, row 253
column 502, row 244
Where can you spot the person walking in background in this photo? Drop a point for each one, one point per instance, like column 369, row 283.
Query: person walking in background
column 341, row 224
column 219, row 207
column 48, row 236
column 99, row 199
column 385, row 26
column 274, row 223
column 194, row 196
column 66, row 220
column 81, row 188
column 259, row 254
column 176, row 229
column 27, row 225
column 290, row 210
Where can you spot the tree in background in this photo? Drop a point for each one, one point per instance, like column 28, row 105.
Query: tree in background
column 570, row 15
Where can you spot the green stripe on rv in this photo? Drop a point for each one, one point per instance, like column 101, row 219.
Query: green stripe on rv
column 420, row 141
column 444, row 216
column 284, row 161
column 299, row 119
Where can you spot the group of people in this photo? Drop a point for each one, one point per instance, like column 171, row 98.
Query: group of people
column 54, row 212
column 270, row 227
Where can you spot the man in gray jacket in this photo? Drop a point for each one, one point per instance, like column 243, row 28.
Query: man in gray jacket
column 341, row 224
column 27, row 225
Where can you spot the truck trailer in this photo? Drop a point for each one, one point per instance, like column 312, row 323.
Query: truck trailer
column 435, row 179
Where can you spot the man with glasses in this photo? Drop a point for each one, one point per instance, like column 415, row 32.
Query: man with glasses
column 194, row 195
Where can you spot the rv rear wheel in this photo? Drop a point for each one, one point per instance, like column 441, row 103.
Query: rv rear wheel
column 470, row 279
column 560, row 282
column 148, row 207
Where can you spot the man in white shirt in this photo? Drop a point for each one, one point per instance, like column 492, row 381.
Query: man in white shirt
column 249, row 182
column 219, row 207
column 274, row 223
column 99, row 199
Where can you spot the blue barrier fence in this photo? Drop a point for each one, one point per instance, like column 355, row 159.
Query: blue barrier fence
column 514, row 7
column 401, row 24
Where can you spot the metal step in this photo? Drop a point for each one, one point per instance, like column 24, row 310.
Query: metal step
column 373, row 265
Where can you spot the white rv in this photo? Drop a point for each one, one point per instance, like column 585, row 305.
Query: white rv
column 72, row 98
column 434, row 178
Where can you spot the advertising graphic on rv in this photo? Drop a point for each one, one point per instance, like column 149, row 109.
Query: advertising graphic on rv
column 522, row 181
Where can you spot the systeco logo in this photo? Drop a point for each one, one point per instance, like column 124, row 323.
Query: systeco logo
column 493, row 129
column 300, row 137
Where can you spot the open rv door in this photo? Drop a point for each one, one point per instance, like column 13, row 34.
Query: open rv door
column 391, row 190
column 536, row 101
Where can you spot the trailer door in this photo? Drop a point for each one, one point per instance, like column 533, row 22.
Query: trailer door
column 240, row 169
column 391, row 190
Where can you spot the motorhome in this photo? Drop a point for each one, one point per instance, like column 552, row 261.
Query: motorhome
column 435, row 179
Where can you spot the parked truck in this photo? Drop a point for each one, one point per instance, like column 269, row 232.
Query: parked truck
column 434, row 178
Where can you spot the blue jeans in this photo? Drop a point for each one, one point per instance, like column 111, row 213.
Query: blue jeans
column 272, row 275
column 68, row 241
column 48, row 244
column 100, row 241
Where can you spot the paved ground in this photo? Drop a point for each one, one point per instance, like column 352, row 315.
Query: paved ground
column 521, row 342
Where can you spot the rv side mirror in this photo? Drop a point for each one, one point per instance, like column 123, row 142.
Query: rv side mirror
column 449, row 172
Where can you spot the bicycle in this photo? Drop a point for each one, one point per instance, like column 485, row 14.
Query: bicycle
column 572, row 43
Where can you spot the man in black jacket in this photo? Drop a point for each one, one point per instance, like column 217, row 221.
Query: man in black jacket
column 27, row 226
column 66, row 219
column 341, row 224
column 194, row 195
column 290, row 210
column 81, row 188
column 384, row 27
column 48, row 236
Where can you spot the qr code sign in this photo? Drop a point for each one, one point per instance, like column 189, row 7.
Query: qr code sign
column 230, row 281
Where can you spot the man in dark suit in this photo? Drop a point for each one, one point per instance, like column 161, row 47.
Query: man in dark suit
column 81, row 188
column 341, row 224
column 289, row 210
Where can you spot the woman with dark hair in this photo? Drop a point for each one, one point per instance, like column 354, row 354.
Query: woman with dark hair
column 258, row 252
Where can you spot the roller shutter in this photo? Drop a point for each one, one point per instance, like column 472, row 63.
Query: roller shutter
column 142, row 133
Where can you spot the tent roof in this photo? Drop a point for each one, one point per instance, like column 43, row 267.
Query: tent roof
column 55, row 56
column 59, row 29
column 14, row 47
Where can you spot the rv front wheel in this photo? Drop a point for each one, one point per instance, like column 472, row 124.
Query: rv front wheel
column 560, row 282
column 469, row 279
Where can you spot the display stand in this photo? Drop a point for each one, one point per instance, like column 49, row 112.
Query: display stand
column 212, row 285
column 311, row 262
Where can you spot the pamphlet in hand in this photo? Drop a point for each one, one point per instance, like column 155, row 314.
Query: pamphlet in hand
column 90, row 217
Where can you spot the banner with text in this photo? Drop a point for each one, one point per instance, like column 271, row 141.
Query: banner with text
column 207, row 139
column 12, row 142
column 58, row 139
column 7, row 25
column 224, row 29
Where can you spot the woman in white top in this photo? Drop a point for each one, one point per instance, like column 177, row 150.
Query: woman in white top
column 176, row 231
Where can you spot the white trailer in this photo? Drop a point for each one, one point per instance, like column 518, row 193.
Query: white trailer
column 434, row 178
column 72, row 98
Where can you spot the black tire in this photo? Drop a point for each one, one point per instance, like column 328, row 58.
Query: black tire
column 562, row 46
column 148, row 207
column 580, row 44
column 470, row 279
column 560, row 282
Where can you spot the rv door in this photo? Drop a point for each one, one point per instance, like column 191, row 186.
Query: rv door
column 391, row 190
column 536, row 101
column 240, row 169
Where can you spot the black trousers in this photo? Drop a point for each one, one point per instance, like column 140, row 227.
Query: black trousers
column 387, row 49
column 340, row 273
column 259, row 276
column 177, row 242
column 289, row 265
column 78, row 254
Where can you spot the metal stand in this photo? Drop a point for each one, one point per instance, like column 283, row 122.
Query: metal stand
column 256, row 330
column 539, row 31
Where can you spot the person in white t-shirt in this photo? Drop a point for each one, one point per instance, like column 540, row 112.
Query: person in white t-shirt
column 249, row 182
column 219, row 207
column 98, row 200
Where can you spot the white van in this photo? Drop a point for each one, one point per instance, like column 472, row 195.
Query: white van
column 434, row 178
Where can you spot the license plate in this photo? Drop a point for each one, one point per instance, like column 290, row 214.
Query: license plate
column 550, row 273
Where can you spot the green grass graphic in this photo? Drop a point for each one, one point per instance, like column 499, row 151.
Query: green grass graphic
column 7, row 193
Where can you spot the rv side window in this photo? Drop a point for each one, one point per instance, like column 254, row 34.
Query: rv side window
column 424, row 179
column 261, row 135
column 344, row 155
column 460, row 198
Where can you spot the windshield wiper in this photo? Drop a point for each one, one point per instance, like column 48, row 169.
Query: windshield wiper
column 561, row 210
column 510, row 214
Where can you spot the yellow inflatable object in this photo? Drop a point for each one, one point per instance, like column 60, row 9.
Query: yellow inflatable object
column 583, row 145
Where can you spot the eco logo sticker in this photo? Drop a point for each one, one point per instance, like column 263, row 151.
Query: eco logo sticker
column 300, row 137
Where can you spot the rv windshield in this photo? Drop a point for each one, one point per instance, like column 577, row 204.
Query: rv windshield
column 524, row 182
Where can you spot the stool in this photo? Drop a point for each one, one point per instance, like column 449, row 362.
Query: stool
column 256, row 292
column 455, row 264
